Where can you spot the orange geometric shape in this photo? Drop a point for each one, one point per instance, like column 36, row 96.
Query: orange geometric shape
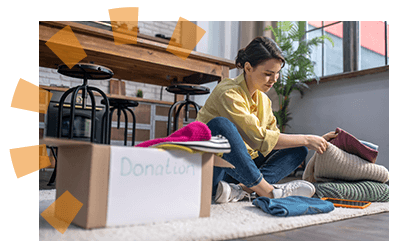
column 62, row 211
column 187, row 35
column 30, row 97
column 124, row 23
column 44, row 100
column 26, row 96
column 27, row 160
column 67, row 47
column 44, row 159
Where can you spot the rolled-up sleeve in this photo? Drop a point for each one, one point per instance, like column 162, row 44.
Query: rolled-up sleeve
column 236, row 109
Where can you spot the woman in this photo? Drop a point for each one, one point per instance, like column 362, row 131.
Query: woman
column 240, row 111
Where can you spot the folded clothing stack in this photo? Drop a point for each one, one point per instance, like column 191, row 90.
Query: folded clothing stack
column 336, row 164
column 293, row 206
column 194, row 137
column 352, row 145
column 359, row 190
column 194, row 131
column 347, row 170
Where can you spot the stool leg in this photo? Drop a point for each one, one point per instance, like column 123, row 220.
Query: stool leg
column 105, row 98
column 133, row 126
column 103, row 138
column 61, row 109
column 170, row 116
column 53, row 175
column 118, row 117
column 187, row 107
column 195, row 105
column 186, row 111
column 93, row 118
column 72, row 112
column 110, row 125
column 177, row 115
column 126, row 127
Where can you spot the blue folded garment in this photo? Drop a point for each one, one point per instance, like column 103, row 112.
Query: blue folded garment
column 370, row 145
column 293, row 205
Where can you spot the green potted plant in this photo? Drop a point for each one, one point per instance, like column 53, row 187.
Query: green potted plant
column 139, row 93
column 298, row 69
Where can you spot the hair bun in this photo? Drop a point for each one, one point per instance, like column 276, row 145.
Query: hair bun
column 241, row 59
column 259, row 50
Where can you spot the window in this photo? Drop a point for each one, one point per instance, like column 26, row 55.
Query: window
column 373, row 44
column 372, row 41
column 329, row 60
column 221, row 40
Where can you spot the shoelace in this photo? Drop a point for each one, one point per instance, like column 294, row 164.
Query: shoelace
column 238, row 193
column 220, row 137
column 288, row 189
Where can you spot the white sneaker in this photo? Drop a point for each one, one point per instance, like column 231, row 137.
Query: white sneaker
column 293, row 188
column 229, row 192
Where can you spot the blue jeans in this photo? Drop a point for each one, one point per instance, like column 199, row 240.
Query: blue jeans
column 275, row 166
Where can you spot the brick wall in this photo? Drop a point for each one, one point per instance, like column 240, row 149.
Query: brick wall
column 152, row 28
column 50, row 77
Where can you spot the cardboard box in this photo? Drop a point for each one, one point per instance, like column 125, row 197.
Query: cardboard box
column 121, row 185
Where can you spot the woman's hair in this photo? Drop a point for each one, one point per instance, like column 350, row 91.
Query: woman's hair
column 258, row 51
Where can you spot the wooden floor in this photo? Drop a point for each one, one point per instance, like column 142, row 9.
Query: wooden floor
column 366, row 228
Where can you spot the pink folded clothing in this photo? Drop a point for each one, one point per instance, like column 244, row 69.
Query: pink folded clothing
column 194, row 131
column 352, row 145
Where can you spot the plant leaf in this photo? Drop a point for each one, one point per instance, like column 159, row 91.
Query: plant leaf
column 328, row 38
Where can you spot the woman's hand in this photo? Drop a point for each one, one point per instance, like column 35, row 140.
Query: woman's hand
column 317, row 143
column 313, row 142
column 329, row 136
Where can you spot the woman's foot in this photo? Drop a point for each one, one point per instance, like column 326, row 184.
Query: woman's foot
column 293, row 188
column 229, row 192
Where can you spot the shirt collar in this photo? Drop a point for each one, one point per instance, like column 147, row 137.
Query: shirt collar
column 242, row 82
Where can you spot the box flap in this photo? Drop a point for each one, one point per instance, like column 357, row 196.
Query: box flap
column 219, row 162
column 57, row 142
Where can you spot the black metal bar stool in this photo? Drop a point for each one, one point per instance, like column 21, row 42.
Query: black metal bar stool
column 188, row 90
column 83, row 71
column 121, row 105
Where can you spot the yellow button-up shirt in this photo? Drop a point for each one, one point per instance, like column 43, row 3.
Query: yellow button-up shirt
column 253, row 117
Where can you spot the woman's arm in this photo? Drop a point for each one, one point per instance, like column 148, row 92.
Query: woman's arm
column 314, row 142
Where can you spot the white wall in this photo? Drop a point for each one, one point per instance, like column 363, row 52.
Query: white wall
column 359, row 105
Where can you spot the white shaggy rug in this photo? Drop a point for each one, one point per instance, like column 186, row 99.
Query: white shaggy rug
column 227, row 221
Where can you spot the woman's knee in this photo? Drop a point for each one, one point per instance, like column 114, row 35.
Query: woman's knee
column 220, row 123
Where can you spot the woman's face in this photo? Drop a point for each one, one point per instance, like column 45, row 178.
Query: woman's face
column 263, row 76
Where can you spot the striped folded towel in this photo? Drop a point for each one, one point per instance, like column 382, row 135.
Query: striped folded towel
column 217, row 144
column 360, row 190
